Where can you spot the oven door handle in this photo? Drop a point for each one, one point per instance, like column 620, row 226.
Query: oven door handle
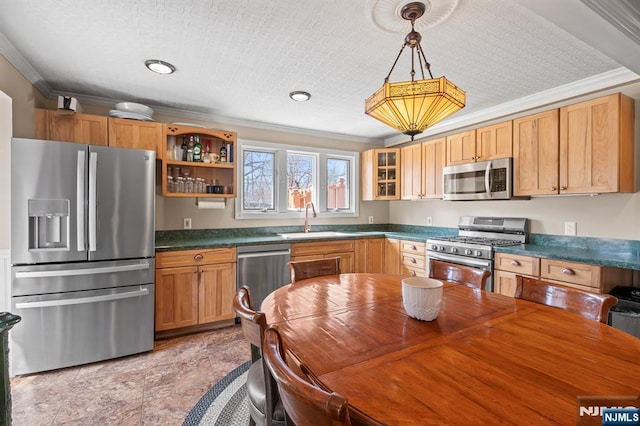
column 487, row 179
column 469, row 261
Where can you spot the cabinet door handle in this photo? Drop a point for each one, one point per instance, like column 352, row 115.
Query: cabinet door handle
column 515, row 263
column 198, row 257
column 553, row 188
column 562, row 188
column 412, row 260
column 568, row 271
column 412, row 273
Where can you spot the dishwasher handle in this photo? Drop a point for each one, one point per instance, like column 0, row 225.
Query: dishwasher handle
column 264, row 254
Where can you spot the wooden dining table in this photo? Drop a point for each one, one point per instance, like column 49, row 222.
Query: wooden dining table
column 486, row 358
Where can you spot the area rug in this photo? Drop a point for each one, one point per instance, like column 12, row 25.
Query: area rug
column 225, row 404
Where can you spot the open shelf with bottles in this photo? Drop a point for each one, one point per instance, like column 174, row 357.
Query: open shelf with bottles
column 213, row 179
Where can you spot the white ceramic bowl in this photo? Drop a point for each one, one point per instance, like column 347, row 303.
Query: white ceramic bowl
column 422, row 297
column 135, row 108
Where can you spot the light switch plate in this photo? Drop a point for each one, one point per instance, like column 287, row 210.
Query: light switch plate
column 429, row 221
column 186, row 223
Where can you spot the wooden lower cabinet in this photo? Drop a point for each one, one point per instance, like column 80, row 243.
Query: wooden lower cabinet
column 369, row 255
column 413, row 258
column 392, row 256
column 344, row 249
column 583, row 276
column 507, row 266
column 176, row 298
column 194, row 287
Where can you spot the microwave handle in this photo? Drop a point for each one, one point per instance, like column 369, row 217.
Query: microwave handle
column 487, row 179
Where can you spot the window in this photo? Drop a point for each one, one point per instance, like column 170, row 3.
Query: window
column 278, row 181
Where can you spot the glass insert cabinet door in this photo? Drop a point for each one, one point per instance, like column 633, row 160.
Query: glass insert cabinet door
column 387, row 174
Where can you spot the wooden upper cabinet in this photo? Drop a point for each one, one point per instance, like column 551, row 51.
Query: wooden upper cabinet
column 124, row 133
column 461, row 148
column 380, row 174
column 494, row 141
column 411, row 166
column 433, row 161
column 596, row 146
column 422, row 170
column 535, row 154
column 68, row 126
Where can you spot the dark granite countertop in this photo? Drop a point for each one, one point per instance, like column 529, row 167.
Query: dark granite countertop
column 598, row 251
column 211, row 238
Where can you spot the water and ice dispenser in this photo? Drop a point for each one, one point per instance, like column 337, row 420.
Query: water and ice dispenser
column 48, row 225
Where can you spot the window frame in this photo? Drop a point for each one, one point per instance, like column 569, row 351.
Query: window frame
column 320, row 180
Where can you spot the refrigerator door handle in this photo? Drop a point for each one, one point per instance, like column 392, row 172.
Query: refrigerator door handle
column 86, row 271
column 93, row 164
column 81, row 300
column 80, row 180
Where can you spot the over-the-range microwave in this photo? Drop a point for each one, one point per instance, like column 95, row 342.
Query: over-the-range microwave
column 484, row 180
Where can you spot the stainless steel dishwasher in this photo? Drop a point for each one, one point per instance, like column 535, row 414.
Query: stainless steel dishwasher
column 263, row 268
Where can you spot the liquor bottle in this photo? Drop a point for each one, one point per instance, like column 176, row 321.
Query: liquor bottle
column 197, row 150
column 190, row 149
column 185, row 147
column 223, row 153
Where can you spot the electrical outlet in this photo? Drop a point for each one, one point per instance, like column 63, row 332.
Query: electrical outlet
column 370, row 219
column 186, row 223
column 569, row 228
column 429, row 221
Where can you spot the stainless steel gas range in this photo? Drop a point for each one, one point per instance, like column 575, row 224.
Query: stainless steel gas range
column 477, row 237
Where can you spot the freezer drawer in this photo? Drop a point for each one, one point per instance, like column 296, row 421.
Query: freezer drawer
column 61, row 277
column 66, row 329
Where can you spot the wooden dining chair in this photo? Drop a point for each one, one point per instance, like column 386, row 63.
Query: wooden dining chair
column 589, row 305
column 304, row 402
column 265, row 407
column 302, row 269
column 471, row 277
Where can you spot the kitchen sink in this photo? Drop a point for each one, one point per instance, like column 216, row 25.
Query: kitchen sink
column 318, row 234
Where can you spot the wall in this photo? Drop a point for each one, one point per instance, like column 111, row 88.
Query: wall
column 602, row 216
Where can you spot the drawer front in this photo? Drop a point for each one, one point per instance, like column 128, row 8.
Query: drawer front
column 571, row 272
column 519, row 264
column 322, row 247
column 413, row 247
column 168, row 259
column 413, row 261
column 414, row 272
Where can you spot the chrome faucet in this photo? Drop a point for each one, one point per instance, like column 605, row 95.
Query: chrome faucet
column 307, row 227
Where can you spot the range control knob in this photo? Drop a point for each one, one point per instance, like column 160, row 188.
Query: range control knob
column 434, row 247
column 467, row 252
column 454, row 249
column 441, row 248
column 478, row 253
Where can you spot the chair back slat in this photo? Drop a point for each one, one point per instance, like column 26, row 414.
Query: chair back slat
column 303, row 269
column 304, row 403
column 468, row 276
column 589, row 305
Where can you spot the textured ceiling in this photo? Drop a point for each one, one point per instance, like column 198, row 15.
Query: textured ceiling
column 237, row 60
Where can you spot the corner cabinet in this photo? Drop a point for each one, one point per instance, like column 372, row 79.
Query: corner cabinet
column 220, row 176
column 380, row 174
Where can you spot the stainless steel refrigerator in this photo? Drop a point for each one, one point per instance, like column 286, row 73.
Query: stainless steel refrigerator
column 82, row 253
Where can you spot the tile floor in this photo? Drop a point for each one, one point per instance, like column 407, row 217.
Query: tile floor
column 155, row 388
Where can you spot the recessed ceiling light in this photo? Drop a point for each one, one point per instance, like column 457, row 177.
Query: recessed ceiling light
column 300, row 96
column 160, row 67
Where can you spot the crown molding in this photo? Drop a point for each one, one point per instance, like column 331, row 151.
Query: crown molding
column 607, row 80
column 8, row 50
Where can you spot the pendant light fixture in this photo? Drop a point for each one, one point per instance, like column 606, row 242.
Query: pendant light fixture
column 413, row 106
